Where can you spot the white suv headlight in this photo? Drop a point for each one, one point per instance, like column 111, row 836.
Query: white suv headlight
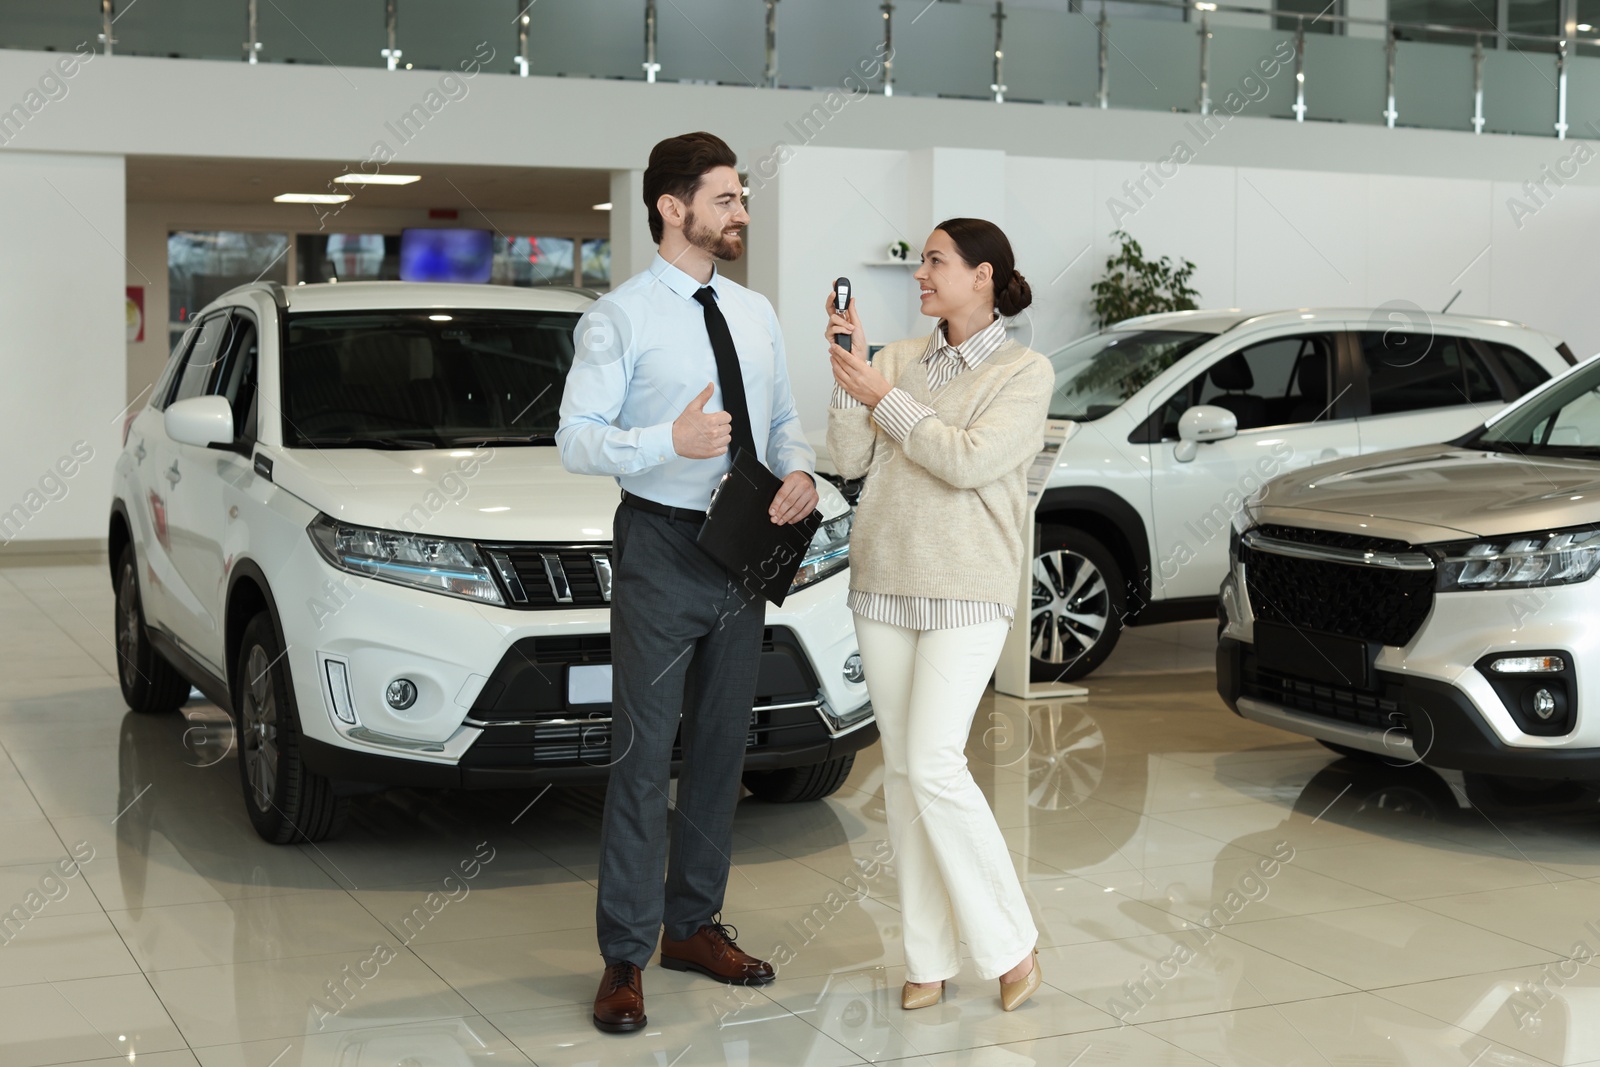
column 1520, row 561
column 437, row 564
column 828, row 552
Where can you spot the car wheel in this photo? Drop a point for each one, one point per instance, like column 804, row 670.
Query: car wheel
column 287, row 801
column 1078, row 605
column 790, row 785
column 150, row 685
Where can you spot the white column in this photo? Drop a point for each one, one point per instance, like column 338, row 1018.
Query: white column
column 944, row 183
column 631, row 246
column 62, row 343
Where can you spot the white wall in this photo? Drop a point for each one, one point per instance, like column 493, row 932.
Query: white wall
column 1261, row 238
column 61, row 331
column 1273, row 212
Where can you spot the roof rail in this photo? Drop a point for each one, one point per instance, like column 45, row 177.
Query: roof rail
column 279, row 295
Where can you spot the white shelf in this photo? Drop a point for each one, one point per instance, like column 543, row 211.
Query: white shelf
column 890, row 263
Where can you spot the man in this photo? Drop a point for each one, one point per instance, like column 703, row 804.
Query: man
column 673, row 369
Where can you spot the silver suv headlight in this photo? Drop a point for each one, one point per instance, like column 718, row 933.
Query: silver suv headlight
column 828, row 552
column 1520, row 560
column 437, row 564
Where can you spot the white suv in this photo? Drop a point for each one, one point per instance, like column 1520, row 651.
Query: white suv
column 1180, row 417
column 342, row 518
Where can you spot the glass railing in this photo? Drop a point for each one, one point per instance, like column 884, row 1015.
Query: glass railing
column 1207, row 59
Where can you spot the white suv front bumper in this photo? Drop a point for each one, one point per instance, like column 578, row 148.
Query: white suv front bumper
column 355, row 636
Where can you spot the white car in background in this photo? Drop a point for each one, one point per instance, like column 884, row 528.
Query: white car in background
column 341, row 517
column 1180, row 417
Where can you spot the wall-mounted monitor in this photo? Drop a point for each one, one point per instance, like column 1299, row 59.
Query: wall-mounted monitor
column 440, row 255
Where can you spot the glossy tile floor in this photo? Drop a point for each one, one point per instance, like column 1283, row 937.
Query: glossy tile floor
column 1208, row 891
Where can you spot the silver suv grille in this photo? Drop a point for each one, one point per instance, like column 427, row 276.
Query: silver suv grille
column 550, row 577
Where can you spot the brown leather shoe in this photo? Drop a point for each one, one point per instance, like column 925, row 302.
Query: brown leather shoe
column 619, row 1005
column 711, row 951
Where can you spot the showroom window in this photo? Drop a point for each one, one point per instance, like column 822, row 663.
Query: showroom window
column 1316, row 14
column 1467, row 14
column 347, row 257
column 202, row 265
column 1412, row 372
column 1275, row 383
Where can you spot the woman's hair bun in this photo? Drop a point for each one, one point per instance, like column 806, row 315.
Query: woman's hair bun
column 1015, row 297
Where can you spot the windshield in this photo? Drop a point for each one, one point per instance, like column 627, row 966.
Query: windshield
column 424, row 378
column 1565, row 420
column 1096, row 375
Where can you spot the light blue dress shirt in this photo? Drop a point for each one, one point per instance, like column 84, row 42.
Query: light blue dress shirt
column 641, row 354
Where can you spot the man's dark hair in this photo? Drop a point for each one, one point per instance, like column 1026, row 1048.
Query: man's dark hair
column 676, row 168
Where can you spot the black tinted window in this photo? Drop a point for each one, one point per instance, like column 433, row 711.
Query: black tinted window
column 423, row 377
column 1275, row 383
column 236, row 372
column 202, row 359
column 1412, row 372
column 1525, row 372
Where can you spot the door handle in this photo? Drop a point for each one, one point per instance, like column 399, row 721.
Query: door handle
column 173, row 475
column 1327, row 454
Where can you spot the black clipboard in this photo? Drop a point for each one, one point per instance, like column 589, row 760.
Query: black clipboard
column 739, row 534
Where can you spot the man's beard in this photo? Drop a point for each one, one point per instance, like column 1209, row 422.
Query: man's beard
column 716, row 242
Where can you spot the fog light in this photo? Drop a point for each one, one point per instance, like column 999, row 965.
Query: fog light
column 1528, row 665
column 401, row 694
column 1544, row 703
column 853, row 672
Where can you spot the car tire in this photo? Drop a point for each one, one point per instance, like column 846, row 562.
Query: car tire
column 1078, row 608
column 286, row 800
column 150, row 685
column 791, row 785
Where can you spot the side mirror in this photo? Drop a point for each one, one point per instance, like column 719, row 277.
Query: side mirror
column 1200, row 424
column 201, row 421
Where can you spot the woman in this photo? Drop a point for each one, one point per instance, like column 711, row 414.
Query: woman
column 943, row 427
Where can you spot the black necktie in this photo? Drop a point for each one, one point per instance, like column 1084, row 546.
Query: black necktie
column 728, row 373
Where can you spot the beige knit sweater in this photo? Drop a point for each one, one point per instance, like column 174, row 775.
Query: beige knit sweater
column 945, row 514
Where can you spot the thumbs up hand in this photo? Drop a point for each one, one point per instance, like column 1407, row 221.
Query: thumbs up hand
column 699, row 434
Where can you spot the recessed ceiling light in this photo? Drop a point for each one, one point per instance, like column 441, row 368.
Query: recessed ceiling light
column 603, row 207
column 439, row 318
column 377, row 179
column 311, row 198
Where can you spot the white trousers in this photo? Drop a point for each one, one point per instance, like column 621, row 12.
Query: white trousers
column 955, row 873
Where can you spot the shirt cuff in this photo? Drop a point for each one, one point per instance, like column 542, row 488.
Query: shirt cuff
column 842, row 399
column 898, row 414
column 655, row 445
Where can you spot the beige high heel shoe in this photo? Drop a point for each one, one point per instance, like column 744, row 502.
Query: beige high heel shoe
column 1014, row 994
column 913, row 997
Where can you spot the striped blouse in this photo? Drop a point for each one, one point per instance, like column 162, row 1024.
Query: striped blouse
column 897, row 414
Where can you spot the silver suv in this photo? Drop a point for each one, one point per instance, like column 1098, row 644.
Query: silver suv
column 1432, row 604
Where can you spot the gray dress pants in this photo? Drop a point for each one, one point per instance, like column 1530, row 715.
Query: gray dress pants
column 685, row 646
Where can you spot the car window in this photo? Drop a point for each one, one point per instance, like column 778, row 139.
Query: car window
column 419, row 378
column 1096, row 374
column 200, row 363
column 1275, row 383
column 235, row 378
column 1412, row 372
column 1563, row 420
column 1524, row 370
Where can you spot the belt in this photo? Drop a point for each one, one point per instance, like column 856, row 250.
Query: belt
column 681, row 514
